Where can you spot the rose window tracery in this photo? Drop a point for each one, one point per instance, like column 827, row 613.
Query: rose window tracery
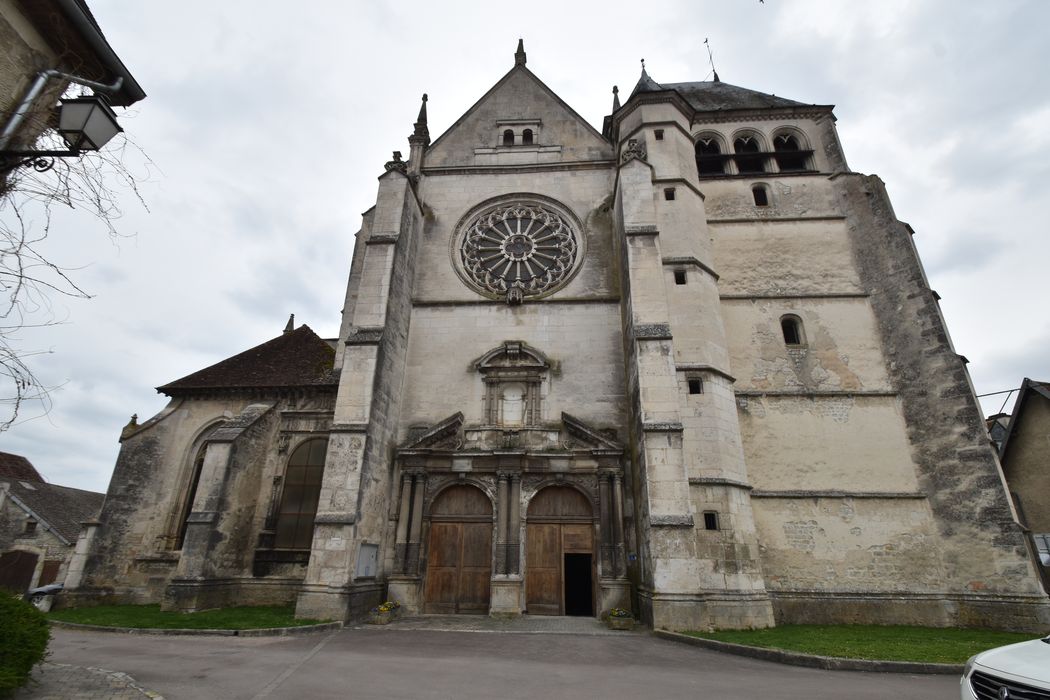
column 518, row 250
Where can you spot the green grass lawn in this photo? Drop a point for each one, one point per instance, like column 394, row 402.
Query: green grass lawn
column 151, row 616
column 926, row 644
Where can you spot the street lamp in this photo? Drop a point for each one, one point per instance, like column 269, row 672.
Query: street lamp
column 84, row 123
column 87, row 123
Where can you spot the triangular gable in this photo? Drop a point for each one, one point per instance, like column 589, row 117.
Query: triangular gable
column 588, row 436
column 443, row 435
column 519, row 96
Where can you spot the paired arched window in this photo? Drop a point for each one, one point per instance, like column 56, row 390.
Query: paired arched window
column 709, row 157
column 526, row 137
column 749, row 157
column 508, row 137
column 789, row 154
column 302, row 488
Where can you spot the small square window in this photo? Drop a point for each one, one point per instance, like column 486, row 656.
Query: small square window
column 659, row 134
column 696, row 385
column 30, row 528
column 679, row 277
column 710, row 520
column 669, row 194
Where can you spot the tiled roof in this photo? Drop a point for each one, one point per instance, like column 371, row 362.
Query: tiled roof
column 296, row 358
column 61, row 508
column 17, row 467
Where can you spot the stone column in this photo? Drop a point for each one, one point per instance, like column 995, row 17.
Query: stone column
column 502, row 517
column 416, row 527
column 605, row 526
column 403, row 516
column 617, row 518
column 514, row 529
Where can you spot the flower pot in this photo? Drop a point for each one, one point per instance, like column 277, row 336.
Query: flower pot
column 620, row 623
column 382, row 618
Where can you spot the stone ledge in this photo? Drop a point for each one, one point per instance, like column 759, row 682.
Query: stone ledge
column 828, row 663
column 652, row 331
column 671, row 521
column 261, row 632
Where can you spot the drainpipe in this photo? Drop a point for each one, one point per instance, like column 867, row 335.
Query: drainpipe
column 37, row 87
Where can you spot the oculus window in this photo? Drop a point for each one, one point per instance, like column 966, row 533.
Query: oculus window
column 517, row 250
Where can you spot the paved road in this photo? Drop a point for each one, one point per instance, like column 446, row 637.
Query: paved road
column 398, row 662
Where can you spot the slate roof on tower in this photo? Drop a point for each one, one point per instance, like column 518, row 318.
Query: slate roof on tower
column 713, row 96
column 296, row 358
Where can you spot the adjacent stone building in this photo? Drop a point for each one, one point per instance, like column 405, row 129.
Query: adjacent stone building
column 1025, row 456
column 39, row 525
column 688, row 364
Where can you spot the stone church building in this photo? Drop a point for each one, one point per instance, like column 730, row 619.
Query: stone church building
column 689, row 365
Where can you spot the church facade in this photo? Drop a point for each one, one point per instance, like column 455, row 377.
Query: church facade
column 688, row 365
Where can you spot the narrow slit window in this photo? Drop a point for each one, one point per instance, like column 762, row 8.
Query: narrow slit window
column 696, row 385
column 669, row 194
column 710, row 520
column 760, row 195
column 659, row 134
column 508, row 137
column 792, row 329
column 526, row 137
column 680, row 277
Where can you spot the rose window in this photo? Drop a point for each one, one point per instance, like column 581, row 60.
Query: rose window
column 518, row 250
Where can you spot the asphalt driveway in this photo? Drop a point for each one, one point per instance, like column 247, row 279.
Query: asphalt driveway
column 400, row 662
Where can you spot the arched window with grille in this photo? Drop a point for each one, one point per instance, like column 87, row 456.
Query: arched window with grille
column 789, row 154
column 710, row 161
column 302, row 488
column 749, row 156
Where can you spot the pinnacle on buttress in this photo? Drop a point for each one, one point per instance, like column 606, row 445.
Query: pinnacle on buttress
column 420, row 132
column 291, row 324
column 519, row 55
column 616, row 98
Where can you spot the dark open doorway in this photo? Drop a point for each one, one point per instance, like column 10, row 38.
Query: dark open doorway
column 579, row 597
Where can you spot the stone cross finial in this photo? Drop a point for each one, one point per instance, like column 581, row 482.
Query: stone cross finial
column 616, row 98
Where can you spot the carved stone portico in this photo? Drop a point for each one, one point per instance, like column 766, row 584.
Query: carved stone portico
column 510, row 467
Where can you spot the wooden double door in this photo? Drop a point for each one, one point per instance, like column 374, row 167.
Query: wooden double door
column 559, row 554
column 459, row 553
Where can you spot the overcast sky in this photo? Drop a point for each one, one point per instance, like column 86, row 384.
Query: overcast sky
column 267, row 124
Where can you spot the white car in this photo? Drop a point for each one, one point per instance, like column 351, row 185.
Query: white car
column 1014, row 672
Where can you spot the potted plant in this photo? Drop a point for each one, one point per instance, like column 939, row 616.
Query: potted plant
column 620, row 619
column 385, row 613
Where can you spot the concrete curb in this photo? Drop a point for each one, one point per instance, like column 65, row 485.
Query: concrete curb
column 263, row 632
column 828, row 663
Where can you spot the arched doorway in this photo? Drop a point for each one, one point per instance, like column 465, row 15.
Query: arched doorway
column 559, row 557
column 459, row 552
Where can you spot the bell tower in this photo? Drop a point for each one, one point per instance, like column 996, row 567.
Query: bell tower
column 699, row 554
